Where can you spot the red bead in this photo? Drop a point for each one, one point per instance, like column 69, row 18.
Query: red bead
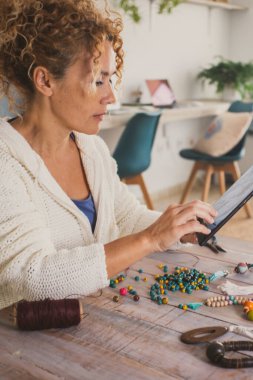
column 136, row 298
column 123, row 291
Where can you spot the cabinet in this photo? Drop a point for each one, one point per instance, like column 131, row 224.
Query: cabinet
column 215, row 4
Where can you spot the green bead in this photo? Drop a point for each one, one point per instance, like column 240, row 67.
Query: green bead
column 137, row 278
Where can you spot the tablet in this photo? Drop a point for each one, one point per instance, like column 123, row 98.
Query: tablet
column 229, row 203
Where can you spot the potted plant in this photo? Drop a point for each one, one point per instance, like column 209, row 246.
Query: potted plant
column 131, row 8
column 229, row 74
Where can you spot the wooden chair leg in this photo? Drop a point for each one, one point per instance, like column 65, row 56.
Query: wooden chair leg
column 190, row 182
column 209, row 172
column 235, row 170
column 222, row 182
column 138, row 180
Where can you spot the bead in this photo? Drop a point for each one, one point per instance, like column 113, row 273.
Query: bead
column 115, row 299
column 241, row 268
column 136, row 298
column 247, row 306
column 250, row 315
column 140, row 270
column 123, row 291
column 160, row 266
column 137, row 278
column 165, row 300
column 130, row 287
column 165, row 268
column 215, row 351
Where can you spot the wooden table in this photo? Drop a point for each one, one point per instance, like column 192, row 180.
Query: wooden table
column 129, row 340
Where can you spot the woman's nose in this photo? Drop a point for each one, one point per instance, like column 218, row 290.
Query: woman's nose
column 110, row 97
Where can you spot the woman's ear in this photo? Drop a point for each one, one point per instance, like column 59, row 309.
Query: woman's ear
column 42, row 80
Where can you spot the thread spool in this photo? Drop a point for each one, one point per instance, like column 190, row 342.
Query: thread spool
column 46, row 314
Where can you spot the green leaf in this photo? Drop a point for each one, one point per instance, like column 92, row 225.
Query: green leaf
column 132, row 10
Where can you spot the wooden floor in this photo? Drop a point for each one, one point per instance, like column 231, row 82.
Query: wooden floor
column 129, row 340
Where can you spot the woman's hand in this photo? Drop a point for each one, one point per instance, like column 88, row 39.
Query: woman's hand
column 178, row 221
column 189, row 238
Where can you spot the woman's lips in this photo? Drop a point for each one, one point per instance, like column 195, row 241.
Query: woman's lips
column 99, row 116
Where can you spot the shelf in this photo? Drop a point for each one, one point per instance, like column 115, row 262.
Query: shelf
column 215, row 4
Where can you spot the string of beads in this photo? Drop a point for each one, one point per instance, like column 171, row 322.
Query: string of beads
column 220, row 301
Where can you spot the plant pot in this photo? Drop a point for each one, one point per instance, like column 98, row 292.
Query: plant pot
column 230, row 94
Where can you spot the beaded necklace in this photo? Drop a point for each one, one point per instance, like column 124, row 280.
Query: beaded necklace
column 220, row 301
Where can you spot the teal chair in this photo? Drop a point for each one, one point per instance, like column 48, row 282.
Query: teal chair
column 227, row 163
column 133, row 151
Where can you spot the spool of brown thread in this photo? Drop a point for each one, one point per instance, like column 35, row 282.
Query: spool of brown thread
column 47, row 314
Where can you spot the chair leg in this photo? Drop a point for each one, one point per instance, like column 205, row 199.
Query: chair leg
column 235, row 170
column 207, row 183
column 222, row 182
column 138, row 180
column 190, row 182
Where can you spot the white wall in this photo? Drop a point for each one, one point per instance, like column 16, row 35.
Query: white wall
column 241, row 49
column 175, row 47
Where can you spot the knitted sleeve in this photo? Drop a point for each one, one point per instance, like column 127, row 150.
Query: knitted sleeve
column 30, row 266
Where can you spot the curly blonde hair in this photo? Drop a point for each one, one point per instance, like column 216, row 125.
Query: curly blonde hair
column 51, row 33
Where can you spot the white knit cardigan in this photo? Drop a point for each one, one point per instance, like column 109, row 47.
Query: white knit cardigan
column 47, row 248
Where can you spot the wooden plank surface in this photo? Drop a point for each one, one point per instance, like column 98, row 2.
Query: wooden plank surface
column 129, row 340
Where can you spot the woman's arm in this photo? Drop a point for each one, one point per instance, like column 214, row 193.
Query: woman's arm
column 176, row 222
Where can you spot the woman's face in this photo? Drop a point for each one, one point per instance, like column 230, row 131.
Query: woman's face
column 79, row 101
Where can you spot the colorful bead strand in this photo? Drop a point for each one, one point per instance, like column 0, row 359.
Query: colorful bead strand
column 220, row 301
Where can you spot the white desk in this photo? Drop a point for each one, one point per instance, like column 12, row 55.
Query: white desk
column 191, row 110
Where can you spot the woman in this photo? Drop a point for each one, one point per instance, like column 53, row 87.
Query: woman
column 67, row 222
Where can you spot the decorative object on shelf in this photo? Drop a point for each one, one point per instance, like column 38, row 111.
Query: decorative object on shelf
column 131, row 8
column 227, row 74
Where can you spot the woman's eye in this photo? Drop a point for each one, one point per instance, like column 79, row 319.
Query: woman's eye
column 99, row 83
